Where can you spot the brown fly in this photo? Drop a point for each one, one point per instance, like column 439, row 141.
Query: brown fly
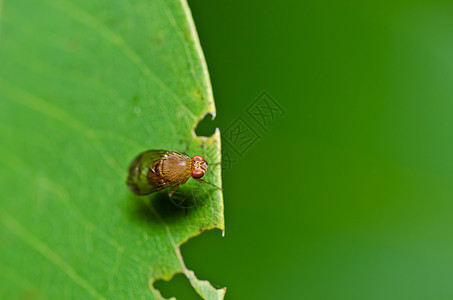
column 156, row 170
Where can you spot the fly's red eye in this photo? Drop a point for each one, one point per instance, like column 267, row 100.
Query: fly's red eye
column 198, row 158
column 196, row 173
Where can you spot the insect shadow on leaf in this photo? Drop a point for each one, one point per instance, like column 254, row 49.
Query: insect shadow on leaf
column 183, row 203
column 161, row 175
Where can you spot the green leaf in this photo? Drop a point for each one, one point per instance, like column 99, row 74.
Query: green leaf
column 85, row 86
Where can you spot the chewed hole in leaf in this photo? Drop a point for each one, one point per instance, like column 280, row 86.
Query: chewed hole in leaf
column 206, row 266
column 206, row 127
column 117, row 88
column 178, row 287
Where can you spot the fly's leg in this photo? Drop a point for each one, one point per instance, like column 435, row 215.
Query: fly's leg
column 215, row 164
column 209, row 165
column 177, row 197
column 187, row 146
column 201, row 180
column 172, row 190
column 205, row 154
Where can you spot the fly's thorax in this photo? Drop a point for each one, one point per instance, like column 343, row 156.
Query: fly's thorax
column 176, row 168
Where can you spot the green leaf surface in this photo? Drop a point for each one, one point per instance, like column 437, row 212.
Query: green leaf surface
column 85, row 86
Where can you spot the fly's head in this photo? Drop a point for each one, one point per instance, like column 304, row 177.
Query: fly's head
column 199, row 166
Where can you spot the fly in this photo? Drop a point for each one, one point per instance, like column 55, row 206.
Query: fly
column 156, row 170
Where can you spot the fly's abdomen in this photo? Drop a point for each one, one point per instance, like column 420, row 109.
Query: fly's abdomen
column 144, row 177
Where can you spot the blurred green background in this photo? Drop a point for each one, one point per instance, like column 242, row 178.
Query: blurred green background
column 349, row 195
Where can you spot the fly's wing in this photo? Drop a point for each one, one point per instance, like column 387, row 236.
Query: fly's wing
column 139, row 180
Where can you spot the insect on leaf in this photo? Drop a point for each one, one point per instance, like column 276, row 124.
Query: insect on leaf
column 85, row 86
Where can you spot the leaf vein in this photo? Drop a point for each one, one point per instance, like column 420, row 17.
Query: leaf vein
column 42, row 248
column 84, row 17
column 31, row 101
